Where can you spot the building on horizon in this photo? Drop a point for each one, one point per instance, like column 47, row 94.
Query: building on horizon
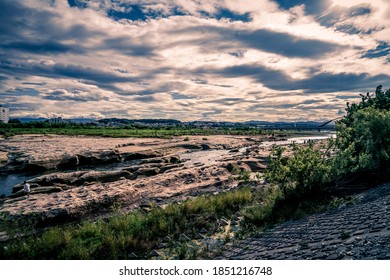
column 58, row 120
column 4, row 114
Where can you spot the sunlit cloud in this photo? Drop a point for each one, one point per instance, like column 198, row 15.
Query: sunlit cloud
column 223, row 60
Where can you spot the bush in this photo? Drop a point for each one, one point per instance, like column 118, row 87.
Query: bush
column 306, row 172
column 363, row 136
column 362, row 146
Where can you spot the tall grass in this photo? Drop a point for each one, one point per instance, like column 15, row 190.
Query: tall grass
column 125, row 234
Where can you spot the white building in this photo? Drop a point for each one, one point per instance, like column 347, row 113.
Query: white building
column 4, row 114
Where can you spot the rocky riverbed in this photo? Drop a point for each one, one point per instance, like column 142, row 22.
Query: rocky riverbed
column 72, row 177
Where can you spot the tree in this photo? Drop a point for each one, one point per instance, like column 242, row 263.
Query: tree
column 363, row 136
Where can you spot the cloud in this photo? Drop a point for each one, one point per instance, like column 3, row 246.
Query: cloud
column 74, row 95
column 214, row 60
column 318, row 82
column 46, row 47
column 286, row 44
column 382, row 49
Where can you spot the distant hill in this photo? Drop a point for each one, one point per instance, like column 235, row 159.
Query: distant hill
column 173, row 122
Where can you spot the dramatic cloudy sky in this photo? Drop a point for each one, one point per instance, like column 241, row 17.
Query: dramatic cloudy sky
column 230, row 60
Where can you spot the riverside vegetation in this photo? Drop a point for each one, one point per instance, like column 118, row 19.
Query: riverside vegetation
column 299, row 180
column 72, row 129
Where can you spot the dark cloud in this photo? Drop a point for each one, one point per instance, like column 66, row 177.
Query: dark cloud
column 212, row 113
column 352, row 29
column 265, row 40
column 332, row 107
column 23, row 107
column 310, row 101
column 360, row 10
column 316, row 83
column 382, row 49
column 45, row 47
column 34, row 84
column 128, row 46
column 22, row 91
column 73, row 95
column 147, row 98
column 180, row 96
column 286, row 44
column 154, row 89
column 343, row 97
column 35, row 31
column 200, row 81
column 239, row 53
column 329, row 82
column 222, row 86
column 60, row 70
column 227, row 101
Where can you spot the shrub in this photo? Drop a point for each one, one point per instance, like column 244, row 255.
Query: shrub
column 363, row 136
column 362, row 146
column 306, row 171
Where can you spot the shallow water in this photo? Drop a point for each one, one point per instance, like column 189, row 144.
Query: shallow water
column 298, row 140
column 8, row 181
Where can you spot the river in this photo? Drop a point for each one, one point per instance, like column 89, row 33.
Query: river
column 208, row 157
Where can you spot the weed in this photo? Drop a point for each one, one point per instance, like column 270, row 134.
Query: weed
column 345, row 235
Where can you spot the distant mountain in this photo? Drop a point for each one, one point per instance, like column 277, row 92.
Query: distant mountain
column 76, row 120
column 145, row 121
column 27, row 120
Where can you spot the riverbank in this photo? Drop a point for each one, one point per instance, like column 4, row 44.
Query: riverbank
column 76, row 175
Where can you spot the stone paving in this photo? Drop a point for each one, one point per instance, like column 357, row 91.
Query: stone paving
column 360, row 230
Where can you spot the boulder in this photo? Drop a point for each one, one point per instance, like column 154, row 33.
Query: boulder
column 68, row 161
column 46, row 190
column 254, row 165
column 174, row 159
column 191, row 146
column 152, row 160
column 240, row 166
column 66, row 178
column 148, row 171
column 102, row 176
column 99, row 157
column 170, row 166
column 35, row 167
column 3, row 157
column 205, row 147
column 139, row 155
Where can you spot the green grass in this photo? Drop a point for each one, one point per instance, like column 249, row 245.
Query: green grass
column 124, row 234
column 133, row 132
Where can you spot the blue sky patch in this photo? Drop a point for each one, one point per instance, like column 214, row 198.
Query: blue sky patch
column 227, row 14
column 78, row 4
column 135, row 13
